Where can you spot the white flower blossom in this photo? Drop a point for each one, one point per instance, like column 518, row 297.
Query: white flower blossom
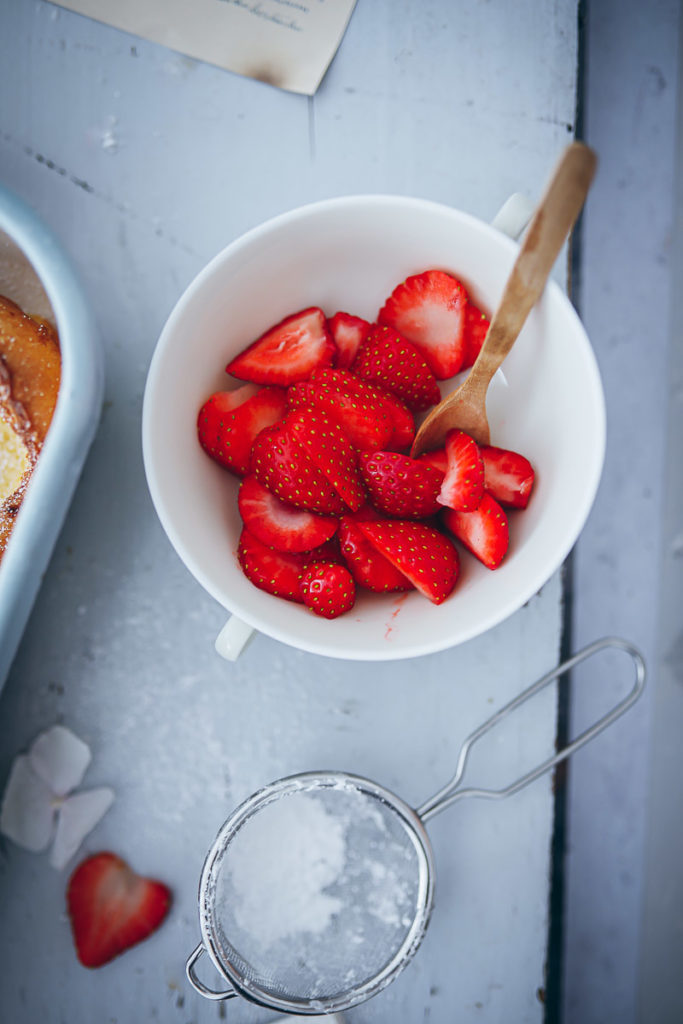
column 39, row 805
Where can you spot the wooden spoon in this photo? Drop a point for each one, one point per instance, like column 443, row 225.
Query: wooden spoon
column 465, row 408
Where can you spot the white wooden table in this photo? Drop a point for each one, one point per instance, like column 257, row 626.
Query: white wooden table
column 146, row 163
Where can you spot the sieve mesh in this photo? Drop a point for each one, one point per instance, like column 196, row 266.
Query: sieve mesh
column 319, row 890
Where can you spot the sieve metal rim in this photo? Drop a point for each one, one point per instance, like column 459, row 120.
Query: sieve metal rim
column 309, row 781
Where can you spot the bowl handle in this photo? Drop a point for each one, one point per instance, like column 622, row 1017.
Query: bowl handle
column 233, row 638
column 514, row 215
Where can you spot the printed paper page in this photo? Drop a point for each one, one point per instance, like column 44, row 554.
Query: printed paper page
column 287, row 43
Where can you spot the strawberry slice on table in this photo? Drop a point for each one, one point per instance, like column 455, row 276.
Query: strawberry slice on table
column 476, row 329
column 429, row 310
column 368, row 566
column 484, row 532
column 389, row 361
column 328, row 589
column 419, row 551
column 276, row 572
column 279, row 462
column 112, row 908
column 229, row 422
column 347, row 332
column 288, row 352
column 359, row 408
column 508, row 476
column 278, row 525
column 327, row 445
column 462, row 487
column 400, row 486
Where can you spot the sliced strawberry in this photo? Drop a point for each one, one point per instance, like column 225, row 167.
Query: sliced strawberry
column 355, row 405
column 419, row 551
column 327, row 552
column 484, row 531
column 400, row 486
column 429, row 310
column 280, row 463
column 508, row 476
column 328, row 589
column 390, row 361
column 382, row 401
column 276, row 572
column 229, row 422
column 112, row 908
column 476, row 329
column 347, row 332
column 404, row 425
column 327, row 445
column 437, row 459
column 463, row 485
column 369, row 568
column 281, row 526
column 288, row 352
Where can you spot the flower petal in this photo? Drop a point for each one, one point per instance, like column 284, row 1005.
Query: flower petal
column 78, row 816
column 27, row 814
column 60, row 758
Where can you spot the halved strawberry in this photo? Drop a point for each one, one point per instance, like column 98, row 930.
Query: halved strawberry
column 278, row 525
column 400, row 486
column 429, row 310
column 404, row 425
column 476, row 329
column 508, row 476
column 355, row 405
column 369, row 568
column 112, row 908
column 484, row 531
column 288, row 352
column 279, row 462
column 390, row 361
column 229, row 422
column 347, row 332
column 463, row 485
column 330, row 551
column 328, row 589
column 436, row 458
column 419, row 551
column 276, row 572
column 327, row 445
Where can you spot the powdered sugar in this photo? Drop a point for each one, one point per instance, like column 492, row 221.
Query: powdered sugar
column 317, row 889
column 282, row 866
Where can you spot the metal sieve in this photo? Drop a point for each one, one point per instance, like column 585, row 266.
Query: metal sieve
column 318, row 889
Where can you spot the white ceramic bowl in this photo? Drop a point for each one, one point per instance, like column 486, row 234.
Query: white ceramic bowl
column 36, row 273
column 349, row 253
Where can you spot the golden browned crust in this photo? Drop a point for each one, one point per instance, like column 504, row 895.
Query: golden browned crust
column 30, row 350
column 30, row 370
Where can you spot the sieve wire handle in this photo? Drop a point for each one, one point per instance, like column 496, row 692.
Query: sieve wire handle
column 198, row 985
column 450, row 792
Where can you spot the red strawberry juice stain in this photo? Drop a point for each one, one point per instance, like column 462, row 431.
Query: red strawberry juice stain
column 399, row 604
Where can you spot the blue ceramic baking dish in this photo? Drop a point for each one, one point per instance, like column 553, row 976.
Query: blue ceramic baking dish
column 73, row 424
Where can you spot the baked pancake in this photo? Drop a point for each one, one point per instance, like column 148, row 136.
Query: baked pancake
column 30, row 350
column 30, row 370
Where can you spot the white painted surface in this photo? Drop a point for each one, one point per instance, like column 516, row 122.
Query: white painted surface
column 146, row 164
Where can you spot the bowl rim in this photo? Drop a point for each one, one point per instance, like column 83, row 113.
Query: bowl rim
column 330, row 647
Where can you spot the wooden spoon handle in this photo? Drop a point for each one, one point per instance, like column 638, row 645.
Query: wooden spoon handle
column 555, row 216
